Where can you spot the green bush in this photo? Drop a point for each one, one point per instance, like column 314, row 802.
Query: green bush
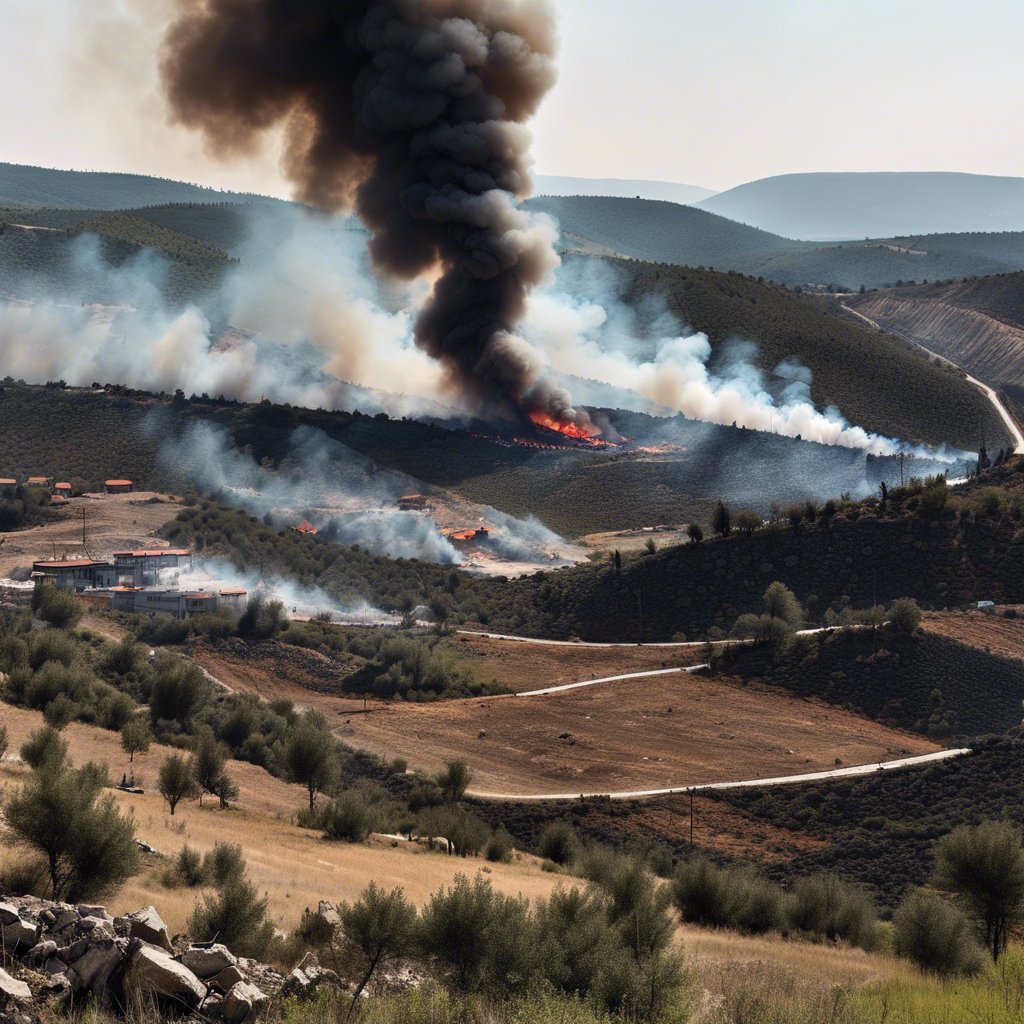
column 348, row 818
column 936, row 936
column 57, row 606
column 559, row 843
column 825, row 905
column 236, row 915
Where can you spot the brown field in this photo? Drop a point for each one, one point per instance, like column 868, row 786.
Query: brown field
column 991, row 633
column 525, row 666
column 666, row 731
column 113, row 522
column 295, row 867
column 632, row 541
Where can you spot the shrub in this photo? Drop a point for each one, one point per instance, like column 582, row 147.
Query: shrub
column 349, row 818
column 936, row 936
column 58, row 607
column 905, row 615
column 499, row 846
column 558, row 843
column 44, row 746
column 224, row 862
column 189, row 866
column 825, row 905
column 237, row 916
column 454, row 780
column 704, row 893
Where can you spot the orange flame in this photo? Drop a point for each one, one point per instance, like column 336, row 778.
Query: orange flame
column 542, row 419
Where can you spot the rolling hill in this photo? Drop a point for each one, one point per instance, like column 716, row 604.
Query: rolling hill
column 978, row 324
column 25, row 186
column 874, row 205
column 672, row 192
column 664, row 232
column 661, row 231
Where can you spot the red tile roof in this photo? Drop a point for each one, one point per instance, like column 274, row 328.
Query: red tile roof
column 80, row 563
column 118, row 483
column 234, row 592
column 154, row 553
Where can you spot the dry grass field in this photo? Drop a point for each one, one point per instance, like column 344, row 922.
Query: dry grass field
column 525, row 666
column 633, row 734
column 113, row 522
column 991, row 633
column 295, row 867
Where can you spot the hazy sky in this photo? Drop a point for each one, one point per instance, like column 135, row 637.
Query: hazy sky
column 708, row 92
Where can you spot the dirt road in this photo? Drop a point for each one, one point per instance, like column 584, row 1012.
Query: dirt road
column 1004, row 414
column 782, row 780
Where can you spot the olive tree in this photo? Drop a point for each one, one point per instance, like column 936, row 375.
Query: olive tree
column 984, row 866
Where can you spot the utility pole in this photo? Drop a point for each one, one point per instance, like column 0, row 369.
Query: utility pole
column 691, row 817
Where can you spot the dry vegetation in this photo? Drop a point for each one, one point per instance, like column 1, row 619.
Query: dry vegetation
column 294, row 866
column 628, row 735
column 993, row 633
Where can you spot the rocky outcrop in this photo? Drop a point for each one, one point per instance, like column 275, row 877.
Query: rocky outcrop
column 59, row 955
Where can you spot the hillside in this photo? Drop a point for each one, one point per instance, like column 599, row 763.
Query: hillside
column 884, row 387
column 25, row 186
column 664, row 233
column 667, row 191
column 926, row 683
column 660, row 231
column 978, row 324
column 873, row 205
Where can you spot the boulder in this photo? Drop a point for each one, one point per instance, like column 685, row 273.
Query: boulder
column 305, row 981
column 227, row 978
column 241, row 1001
column 92, row 967
column 56, row 991
column 19, row 934
column 13, row 992
column 8, row 913
column 41, row 952
column 155, row 971
column 93, row 910
column 147, row 925
column 329, row 913
column 206, row 959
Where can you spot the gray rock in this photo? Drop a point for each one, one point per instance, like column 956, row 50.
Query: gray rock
column 92, row 969
column 13, row 992
column 19, row 934
column 205, row 960
column 154, row 971
column 227, row 978
column 41, row 952
column 8, row 913
column 56, row 991
column 147, row 925
column 96, row 926
column 329, row 913
column 243, row 1000
column 93, row 910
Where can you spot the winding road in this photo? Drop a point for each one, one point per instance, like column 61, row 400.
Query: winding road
column 850, row 771
column 782, row 780
column 1004, row 413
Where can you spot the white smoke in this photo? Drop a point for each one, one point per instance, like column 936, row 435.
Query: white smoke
column 348, row 497
column 306, row 323
column 299, row 601
column 581, row 338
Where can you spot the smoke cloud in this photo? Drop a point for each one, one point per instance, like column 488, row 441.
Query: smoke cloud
column 350, row 498
column 412, row 113
column 594, row 336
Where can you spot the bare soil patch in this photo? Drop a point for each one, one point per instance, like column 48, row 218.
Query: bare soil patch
column 113, row 522
column 659, row 732
column 990, row 633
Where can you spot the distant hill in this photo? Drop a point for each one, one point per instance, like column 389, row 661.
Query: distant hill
column 874, row 205
column 659, row 231
column 672, row 192
column 667, row 233
column 978, row 324
column 25, row 186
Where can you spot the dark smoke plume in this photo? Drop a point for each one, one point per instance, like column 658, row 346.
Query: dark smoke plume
column 412, row 113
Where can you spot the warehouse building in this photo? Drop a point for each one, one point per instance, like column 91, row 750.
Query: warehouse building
column 143, row 568
column 75, row 574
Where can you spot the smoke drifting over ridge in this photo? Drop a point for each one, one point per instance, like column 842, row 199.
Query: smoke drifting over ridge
column 412, row 113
